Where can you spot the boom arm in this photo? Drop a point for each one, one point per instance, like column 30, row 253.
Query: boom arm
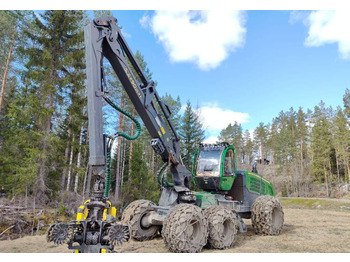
column 103, row 38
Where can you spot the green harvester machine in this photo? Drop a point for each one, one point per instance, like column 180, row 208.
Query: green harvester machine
column 226, row 197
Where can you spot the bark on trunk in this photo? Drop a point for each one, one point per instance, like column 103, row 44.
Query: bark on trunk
column 326, row 179
column 123, row 162
column 43, row 168
column 6, row 70
column 131, row 146
column 301, row 158
column 70, row 165
column 348, row 168
column 66, row 153
column 338, row 174
column 78, row 161
column 119, row 159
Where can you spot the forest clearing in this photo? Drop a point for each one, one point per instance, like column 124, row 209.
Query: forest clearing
column 311, row 226
column 83, row 126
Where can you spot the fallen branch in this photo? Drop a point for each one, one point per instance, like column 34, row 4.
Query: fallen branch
column 6, row 230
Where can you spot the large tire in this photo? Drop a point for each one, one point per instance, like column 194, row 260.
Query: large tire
column 267, row 215
column 185, row 229
column 132, row 216
column 222, row 227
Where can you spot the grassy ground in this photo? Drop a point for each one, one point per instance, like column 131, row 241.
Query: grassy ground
column 311, row 225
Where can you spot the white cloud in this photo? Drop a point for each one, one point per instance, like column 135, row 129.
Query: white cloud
column 296, row 16
column 210, row 140
column 215, row 118
column 125, row 33
column 145, row 21
column 329, row 27
column 205, row 38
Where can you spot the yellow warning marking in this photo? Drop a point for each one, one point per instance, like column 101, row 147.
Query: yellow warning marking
column 260, row 177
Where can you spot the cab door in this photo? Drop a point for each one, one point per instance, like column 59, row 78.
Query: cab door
column 228, row 168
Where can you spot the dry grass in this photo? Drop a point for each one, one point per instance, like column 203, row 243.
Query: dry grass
column 308, row 228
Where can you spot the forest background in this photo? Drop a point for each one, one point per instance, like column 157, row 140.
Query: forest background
column 44, row 129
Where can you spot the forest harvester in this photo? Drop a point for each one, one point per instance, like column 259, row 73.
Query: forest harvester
column 187, row 220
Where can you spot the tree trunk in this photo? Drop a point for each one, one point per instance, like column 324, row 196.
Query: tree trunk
column 117, row 172
column 7, row 69
column 84, row 183
column 26, row 198
column 262, row 154
column 43, row 168
column 70, row 164
column 131, row 145
column 301, row 158
column 338, row 174
column 66, row 152
column 347, row 167
column 326, row 179
column 123, row 163
column 78, row 160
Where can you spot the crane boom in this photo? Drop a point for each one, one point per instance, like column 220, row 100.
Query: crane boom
column 103, row 39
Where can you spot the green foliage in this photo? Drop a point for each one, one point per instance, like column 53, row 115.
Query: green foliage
column 191, row 133
column 51, row 88
column 62, row 210
column 141, row 184
column 248, row 148
column 233, row 134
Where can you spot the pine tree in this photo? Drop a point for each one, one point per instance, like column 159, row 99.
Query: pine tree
column 341, row 142
column 321, row 148
column 248, row 148
column 226, row 134
column 261, row 137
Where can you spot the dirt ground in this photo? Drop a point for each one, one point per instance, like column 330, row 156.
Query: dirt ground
column 306, row 230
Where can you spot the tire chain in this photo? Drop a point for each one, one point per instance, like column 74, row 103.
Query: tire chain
column 262, row 209
column 216, row 216
column 176, row 224
column 130, row 217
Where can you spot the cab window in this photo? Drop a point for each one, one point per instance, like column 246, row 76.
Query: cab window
column 229, row 165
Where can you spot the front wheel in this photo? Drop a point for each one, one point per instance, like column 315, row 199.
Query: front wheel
column 222, row 227
column 185, row 229
column 132, row 216
column 267, row 215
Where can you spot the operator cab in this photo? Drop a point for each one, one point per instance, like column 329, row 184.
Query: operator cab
column 214, row 167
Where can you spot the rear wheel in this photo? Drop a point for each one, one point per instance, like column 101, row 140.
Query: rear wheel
column 222, row 227
column 267, row 215
column 132, row 216
column 185, row 229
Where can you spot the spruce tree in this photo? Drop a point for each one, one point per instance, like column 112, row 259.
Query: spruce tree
column 191, row 133
column 52, row 66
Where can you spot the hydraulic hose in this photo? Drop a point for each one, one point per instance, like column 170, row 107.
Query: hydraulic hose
column 129, row 137
column 137, row 123
column 162, row 177
column 108, row 174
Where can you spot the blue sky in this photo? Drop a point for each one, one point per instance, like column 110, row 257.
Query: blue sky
column 280, row 62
